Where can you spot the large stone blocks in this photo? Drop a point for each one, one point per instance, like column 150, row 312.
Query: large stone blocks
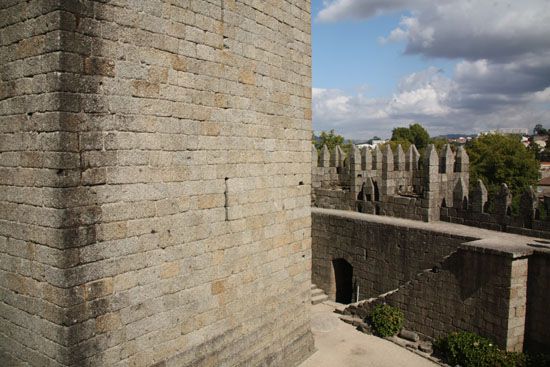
column 444, row 277
column 154, row 186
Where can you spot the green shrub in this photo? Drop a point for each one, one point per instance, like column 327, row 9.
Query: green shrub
column 511, row 359
column 471, row 350
column 466, row 349
column 386, row 320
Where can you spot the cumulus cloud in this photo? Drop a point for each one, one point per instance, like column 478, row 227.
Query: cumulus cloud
column 334, row 108
column 418, row 95
column 473, row 30
column 428, row 97
column 543, row 96
column 502, row 49
column 423, row 93
column 359, row 9
column 482, row 29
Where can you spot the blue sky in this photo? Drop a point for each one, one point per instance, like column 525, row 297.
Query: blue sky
column 349, row 55
column 455, row 67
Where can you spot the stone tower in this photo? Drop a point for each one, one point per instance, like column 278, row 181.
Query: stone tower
column 155, row 168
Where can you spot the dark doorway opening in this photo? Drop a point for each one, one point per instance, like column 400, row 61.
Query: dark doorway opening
column 343, row 276
column 376, row 191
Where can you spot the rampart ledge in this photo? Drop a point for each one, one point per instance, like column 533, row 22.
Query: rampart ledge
column 477, row 239
column 444, row 276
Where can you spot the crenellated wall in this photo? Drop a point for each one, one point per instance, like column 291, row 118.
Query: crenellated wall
column 474, row 211
column 399, row 184
column 388, row 183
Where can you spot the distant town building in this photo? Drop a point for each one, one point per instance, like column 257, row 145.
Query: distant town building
column 544, row 169
column 460, row 140
column 540, row 140
column 373, row 143
column 511, row 130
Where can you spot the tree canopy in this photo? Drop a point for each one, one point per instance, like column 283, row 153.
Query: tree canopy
column 414, row 134
column 331, row 139
column 539, row 130
column 497, row 159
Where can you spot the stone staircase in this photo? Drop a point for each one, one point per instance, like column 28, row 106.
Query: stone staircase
column 317, row 295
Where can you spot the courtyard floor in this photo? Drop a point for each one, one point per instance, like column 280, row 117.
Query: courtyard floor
column 340, row 344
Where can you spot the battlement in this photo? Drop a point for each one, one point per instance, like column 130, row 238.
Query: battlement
column 387, row 182
column 433, row 187
column 478, row 208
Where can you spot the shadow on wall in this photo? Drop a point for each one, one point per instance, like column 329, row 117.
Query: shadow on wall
column 470, row 273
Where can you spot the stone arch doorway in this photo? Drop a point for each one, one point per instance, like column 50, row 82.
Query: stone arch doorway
column 343, row 280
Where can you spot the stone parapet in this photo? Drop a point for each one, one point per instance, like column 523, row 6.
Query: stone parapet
column 443, row 276
column 394, row 176
column 437, row 187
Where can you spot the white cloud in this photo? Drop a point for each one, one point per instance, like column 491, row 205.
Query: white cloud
column 481, row 29
column 360, row 9
column 395, row 35
column 427, row 97
column 422, row 93
column 543, row 96
column 336, row 107
column 503, row 53
column 504, row 27
column 496, row 31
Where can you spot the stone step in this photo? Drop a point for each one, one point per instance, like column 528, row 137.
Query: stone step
column 318, row 299
column 317, row 295
column 316, row 292
column 339, row 308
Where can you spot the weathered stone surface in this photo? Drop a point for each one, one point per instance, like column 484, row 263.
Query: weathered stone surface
column 440, row 275
column 408, row 335
column 425, row 347
column 155, row 170
column 537, row 328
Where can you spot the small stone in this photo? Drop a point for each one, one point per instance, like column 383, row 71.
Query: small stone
column 350, row 319
column 364, row 328
column 409, row 335
column 426, row 347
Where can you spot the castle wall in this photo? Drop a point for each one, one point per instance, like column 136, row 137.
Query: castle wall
column 504, row 223
column 383, row 256
column 538, row 299
column 389, row 183
column 155, row 183
column 39, row 178
column 439, row 278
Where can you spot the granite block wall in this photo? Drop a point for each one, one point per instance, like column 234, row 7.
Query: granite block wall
column 538, row 299
column 155, row 182
column 39, row 171
column 474, row 291
column 382, row 256
column 504, row 223
column 442, row 281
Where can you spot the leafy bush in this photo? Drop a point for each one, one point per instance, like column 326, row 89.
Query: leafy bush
column 465, row 349
column 386, row 320
column 471, row 350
